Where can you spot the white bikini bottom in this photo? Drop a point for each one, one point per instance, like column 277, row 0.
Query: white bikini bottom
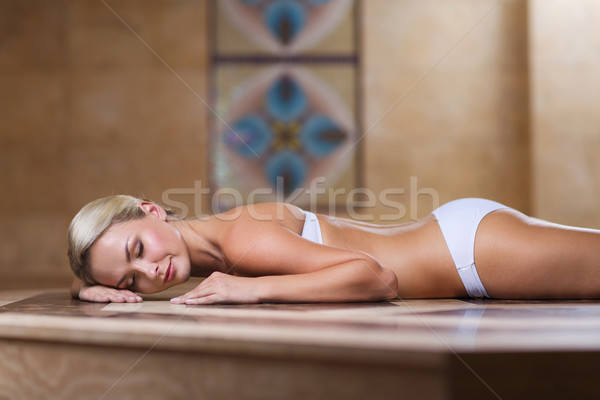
column 459, row 220
column 312, row 228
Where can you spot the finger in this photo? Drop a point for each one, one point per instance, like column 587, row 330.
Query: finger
column 128, row 293
column 210, row 299
column 188, row 296
column 131, row 297
column 125, row 299
column 199, row 291
column 183, row 298
column 123, row 296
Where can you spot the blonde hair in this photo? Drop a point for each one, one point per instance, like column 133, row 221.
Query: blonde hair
column 91, row 222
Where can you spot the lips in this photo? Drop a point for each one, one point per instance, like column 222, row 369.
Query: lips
column 169, row 272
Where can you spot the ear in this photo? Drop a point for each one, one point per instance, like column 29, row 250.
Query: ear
column 153, row 209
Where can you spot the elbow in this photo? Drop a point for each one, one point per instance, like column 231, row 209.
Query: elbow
column 383, row 281
column 389, row 284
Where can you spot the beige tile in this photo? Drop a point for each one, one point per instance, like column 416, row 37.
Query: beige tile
column 565, row 126
column 139, row 170
column 133, row 34
column 564, row 121
column 457, row 133
column 449, row 170
column 181, row 32
column 98, row 171
column 463, row 34
column 460, row 126
column 33, row 250
column 98, row 39
column 489, row 169
column 564, row 34
column 32, row 35
column 139, row 106
column 564, row 101
column 566, row 179
column 32, row 108
column 32, row 179
column 446, row 105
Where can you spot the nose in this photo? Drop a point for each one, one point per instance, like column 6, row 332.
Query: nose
column 150, row 270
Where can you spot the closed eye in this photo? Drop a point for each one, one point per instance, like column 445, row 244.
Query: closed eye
column 140, row 249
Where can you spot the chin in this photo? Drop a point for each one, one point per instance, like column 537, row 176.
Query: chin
column 181, row 275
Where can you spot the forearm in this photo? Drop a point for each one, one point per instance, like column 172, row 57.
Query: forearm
column 357, row 280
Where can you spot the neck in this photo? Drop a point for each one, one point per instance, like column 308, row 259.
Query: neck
column 204, row 251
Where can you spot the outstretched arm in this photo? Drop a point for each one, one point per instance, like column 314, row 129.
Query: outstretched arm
column 288, row 268
column 349, row 282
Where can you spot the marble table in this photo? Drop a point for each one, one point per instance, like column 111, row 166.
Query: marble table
column 52, row 346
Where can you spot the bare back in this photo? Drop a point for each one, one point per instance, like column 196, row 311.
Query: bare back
column 415, row 251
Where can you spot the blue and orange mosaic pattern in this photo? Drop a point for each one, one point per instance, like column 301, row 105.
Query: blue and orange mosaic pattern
column 285, row 93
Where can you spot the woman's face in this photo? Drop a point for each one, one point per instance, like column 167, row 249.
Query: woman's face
column 145, row 255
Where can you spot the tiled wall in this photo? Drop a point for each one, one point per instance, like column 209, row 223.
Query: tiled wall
column 87, row 110
column 467, row 97
column 565, row 92
column 447, row 99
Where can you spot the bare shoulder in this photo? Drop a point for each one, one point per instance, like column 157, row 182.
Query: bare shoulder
column 266, row 240
column 257, row 226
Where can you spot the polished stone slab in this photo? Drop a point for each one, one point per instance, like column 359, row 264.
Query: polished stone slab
column 446, row 325
column 435, row 349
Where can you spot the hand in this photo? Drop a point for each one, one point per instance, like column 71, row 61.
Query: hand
column 105, row 294
column 220, row 288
